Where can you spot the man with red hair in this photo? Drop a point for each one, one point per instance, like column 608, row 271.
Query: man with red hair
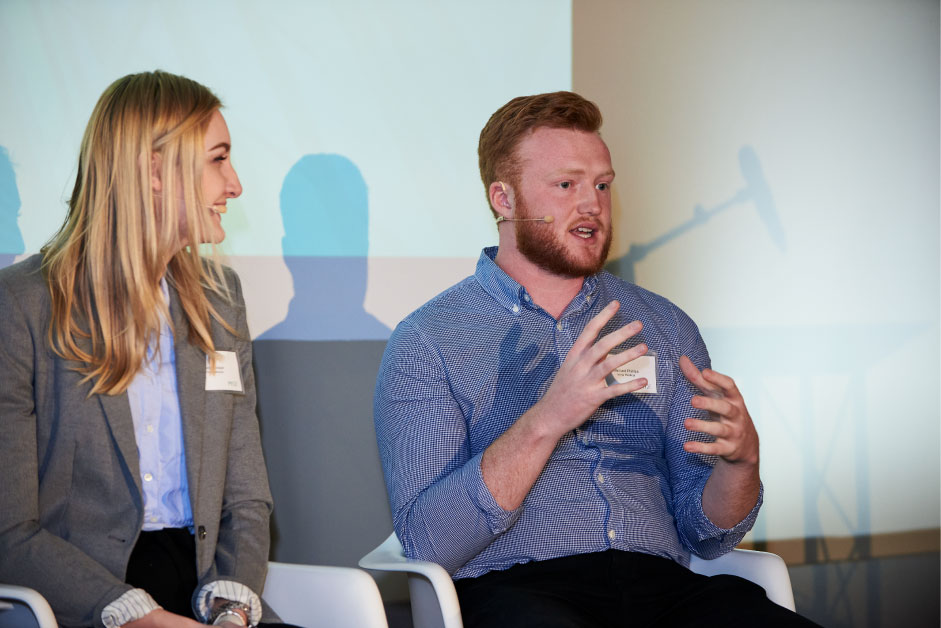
column 552, row 435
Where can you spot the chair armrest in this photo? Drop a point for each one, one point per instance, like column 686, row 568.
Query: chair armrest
column 34, row 600
column 763, row 568
column 317, row 595
column 434, row 600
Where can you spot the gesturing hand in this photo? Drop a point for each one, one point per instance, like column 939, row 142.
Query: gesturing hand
column 579, row 387
column 736, row 440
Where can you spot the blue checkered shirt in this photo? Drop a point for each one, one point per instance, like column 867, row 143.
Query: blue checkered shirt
column 461, row 369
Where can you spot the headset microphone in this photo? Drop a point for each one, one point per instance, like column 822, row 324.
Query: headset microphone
column 505, row 219
column 543, row 219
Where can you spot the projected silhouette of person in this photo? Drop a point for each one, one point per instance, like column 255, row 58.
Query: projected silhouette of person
column 11, row 240
column 325, row 210
column 316, row 370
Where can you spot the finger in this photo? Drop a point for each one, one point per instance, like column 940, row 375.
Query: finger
column 712, row 404
column 605, row 344
column 616, row 360
column 708, row 449
column 724, row 382
column 712, row 428
column 594, row 327
column 616, row 390
column 695, row 376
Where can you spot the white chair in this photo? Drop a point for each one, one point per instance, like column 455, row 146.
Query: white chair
column 435, row 604
column 763, row 568
column 11, row 599
column 332, row 597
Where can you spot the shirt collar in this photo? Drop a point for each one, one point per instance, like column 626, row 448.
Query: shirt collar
column 511, row 295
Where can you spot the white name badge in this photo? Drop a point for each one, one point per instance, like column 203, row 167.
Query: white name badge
column 227, row 375
column 645, row 366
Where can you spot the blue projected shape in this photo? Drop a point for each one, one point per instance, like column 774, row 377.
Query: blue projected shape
column 11, row 240
column 325, row 210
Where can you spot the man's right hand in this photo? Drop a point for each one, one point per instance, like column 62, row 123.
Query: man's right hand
column 580, row 387
column 160, row 618
column 513, row 462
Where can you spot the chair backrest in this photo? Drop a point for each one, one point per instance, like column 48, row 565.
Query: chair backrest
column 314, row 596
column 21, row 607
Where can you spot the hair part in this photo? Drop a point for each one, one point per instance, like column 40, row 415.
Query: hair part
column 510, row 124
column 105, row 263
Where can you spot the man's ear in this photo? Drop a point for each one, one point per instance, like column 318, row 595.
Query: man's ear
column 501, row 198
column 155, row 162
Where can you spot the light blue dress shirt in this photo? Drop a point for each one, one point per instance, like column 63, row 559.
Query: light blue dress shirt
column 158, row 427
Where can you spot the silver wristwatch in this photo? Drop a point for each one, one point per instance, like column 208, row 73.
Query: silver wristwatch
column 229, row 612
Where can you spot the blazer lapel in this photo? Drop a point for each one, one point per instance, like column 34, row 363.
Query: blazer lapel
column 117, row 411
column 191, row 387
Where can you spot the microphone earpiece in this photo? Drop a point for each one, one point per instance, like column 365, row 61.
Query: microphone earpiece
column 505, row 219
column 543, row 219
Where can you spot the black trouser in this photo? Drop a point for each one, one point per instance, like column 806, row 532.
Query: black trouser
column 163, row 563
column 615, row 588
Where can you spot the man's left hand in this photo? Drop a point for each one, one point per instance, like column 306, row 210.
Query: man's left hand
column 736, row 440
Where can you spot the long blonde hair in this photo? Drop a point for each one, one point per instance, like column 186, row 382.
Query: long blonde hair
column 105, row 263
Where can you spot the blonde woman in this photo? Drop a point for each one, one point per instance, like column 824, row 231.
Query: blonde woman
column 134, row 492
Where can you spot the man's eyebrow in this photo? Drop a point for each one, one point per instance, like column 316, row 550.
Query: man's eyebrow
column 606, row 173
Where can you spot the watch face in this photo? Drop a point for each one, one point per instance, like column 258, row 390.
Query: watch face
column 232, row 612
column 229, row 617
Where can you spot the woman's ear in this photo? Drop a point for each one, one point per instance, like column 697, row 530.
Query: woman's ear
column 155, row 162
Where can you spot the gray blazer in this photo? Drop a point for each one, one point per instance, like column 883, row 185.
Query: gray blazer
column 71, row 504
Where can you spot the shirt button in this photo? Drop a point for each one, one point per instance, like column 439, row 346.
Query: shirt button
column 612, row 534
column 600, row 479
column 559, row 325
column 148, row 477
column 153, row 520
column 526, row 297
column 150, row 429
column 516, row 308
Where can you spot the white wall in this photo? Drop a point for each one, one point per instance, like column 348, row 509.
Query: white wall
column 821, row 294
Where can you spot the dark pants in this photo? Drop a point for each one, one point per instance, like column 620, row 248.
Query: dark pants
column 615, row 588
column 163, row 563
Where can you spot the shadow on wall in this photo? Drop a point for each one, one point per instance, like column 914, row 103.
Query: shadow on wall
column 11, row 240
column 325, row 211
column 316, row 371
column 756, row 191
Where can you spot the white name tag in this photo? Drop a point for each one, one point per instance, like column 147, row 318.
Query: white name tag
column 227, row 375
column 645, row 366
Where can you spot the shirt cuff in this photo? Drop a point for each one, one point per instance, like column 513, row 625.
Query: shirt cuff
column 228, row 590
column 132, row 605
column 708, row 530
column 498, row 519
